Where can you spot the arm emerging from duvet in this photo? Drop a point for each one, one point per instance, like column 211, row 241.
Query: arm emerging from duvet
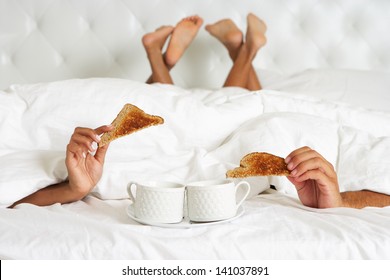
column 84, row 170
column 316, row 182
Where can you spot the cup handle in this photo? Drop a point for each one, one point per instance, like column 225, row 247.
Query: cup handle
column 129, row 191
column 248, row 188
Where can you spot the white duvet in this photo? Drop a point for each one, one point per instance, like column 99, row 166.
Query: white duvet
column 205, row 133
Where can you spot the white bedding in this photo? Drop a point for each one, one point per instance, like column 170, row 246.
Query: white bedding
column 274, row 226
column 205, row 133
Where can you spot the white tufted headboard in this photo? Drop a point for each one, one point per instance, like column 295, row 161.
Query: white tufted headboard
column 46, row 40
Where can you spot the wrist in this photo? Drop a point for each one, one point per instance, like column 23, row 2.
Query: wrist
column 336, row 200
column 345, row 201
column 77, row 192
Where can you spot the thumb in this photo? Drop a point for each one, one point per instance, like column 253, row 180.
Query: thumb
column 297, row 185
column 103, row 129
column 100, row 154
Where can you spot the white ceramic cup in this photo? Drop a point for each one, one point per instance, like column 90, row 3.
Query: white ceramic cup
column 157, row 202
column 214, row 200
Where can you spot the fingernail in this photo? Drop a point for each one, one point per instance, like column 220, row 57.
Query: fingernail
column 287, row 159
column 84, row 155
column 290, row 166
column 293, row 172
column 97, row 138
column 93, row 146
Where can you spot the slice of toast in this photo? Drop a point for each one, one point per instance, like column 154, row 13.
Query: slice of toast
column 259, row 164
column 130, row 119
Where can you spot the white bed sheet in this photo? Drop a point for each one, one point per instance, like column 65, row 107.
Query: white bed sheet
column 206, row 132
column 274, row 226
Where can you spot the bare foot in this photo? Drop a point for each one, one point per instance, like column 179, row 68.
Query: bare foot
column 255, row 34
column 182, row 36
column 155, row 41
column 228, row 34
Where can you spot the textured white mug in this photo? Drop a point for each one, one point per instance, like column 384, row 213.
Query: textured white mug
column 157, row 202
column 214, row 200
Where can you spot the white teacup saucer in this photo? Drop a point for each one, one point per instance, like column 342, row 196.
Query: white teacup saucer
column 186, row 223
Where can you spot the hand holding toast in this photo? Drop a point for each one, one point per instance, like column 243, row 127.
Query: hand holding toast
column 314, row 178
column 84, row 168
column 312, row 175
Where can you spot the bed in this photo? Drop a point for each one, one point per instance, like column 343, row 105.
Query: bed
column 325, row 73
